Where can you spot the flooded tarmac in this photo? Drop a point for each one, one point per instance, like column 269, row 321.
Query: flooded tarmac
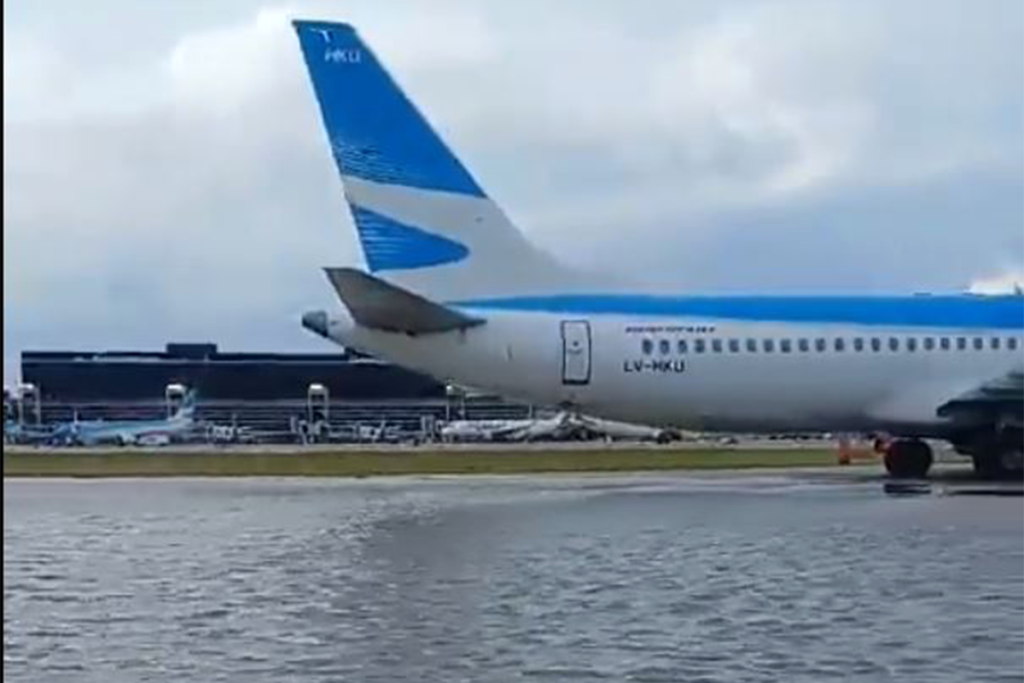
column 717, row 577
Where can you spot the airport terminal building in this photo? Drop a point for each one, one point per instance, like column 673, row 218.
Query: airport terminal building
column 261, row 390
column 88, row 377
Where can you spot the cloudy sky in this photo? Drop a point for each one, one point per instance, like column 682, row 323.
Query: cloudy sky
column 166, row 177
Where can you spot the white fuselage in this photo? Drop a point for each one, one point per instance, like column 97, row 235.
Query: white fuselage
column 636, row 370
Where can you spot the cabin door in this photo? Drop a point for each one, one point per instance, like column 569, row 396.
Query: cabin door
column 575, row 352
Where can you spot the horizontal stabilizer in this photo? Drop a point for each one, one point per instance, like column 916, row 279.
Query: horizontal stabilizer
column 379, row 305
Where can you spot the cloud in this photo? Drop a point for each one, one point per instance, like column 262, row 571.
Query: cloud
column 1005, row 282
column 224, row 68
column 181, row 186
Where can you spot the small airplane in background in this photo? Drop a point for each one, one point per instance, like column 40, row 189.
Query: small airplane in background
column 24, row 434
column 129, row 432
column 504, row 430
column 562, row 426
column 613, row 429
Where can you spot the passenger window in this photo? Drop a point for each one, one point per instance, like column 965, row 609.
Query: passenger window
column 752, row 346
column 840, row 344
column 876, row 344
column 961, row 343
column 734, row 345
column 944, row 343
column 803, row 345
column 911, row 344
column 769, row 345
column 647, row 346
column 929, row 344
column 785, row 346
column 994, row 343
column 894, row 344
column 665, row 347
column 698, row 345
column 681, row 346
column 819, row 345
column 716, row 345
column 979, row 343
column 1011, row 343
column 858, row 344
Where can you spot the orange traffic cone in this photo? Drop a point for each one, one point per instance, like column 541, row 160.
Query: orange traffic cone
column 844, row 452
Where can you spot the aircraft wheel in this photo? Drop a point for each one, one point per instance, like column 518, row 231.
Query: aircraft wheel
column 989, row 466
column 999, row 466
column 908, row 459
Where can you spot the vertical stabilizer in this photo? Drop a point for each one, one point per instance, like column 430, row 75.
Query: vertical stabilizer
column 423, row 221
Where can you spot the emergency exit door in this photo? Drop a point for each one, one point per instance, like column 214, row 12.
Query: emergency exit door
column 575, row 352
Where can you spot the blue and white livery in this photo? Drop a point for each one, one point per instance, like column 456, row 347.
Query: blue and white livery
column 455, row 290
column 129, row 432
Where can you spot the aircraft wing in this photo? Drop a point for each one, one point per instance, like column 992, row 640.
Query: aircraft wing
column 621, row 430
column 999, row 401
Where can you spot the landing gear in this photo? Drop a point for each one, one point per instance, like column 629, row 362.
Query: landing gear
column 1005, row 465
column 908, row 459
column 997, row 455
column 989, row 466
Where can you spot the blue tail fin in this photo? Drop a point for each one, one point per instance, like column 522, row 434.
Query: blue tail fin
column 187, row 409
column 418, row 212
column 376, row 133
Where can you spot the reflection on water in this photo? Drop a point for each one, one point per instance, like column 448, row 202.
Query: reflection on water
column 641, row 578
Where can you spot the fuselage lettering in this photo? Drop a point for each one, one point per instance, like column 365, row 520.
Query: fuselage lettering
column 654, row 366
column 343, row 56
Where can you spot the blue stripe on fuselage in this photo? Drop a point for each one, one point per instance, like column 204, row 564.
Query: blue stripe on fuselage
column 955, row 312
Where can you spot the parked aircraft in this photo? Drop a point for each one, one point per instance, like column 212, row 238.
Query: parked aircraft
column 562, row 426
column 129, row 432
column 550, row 428
column 23, row 434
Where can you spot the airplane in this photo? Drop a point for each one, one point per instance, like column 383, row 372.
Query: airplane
column 555, row 427
column 453, row 289
column 614, row 429
column 562, row 426
column 129, row 432
column 17, row 433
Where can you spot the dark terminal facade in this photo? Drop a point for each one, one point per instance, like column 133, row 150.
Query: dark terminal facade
column 82, row 377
